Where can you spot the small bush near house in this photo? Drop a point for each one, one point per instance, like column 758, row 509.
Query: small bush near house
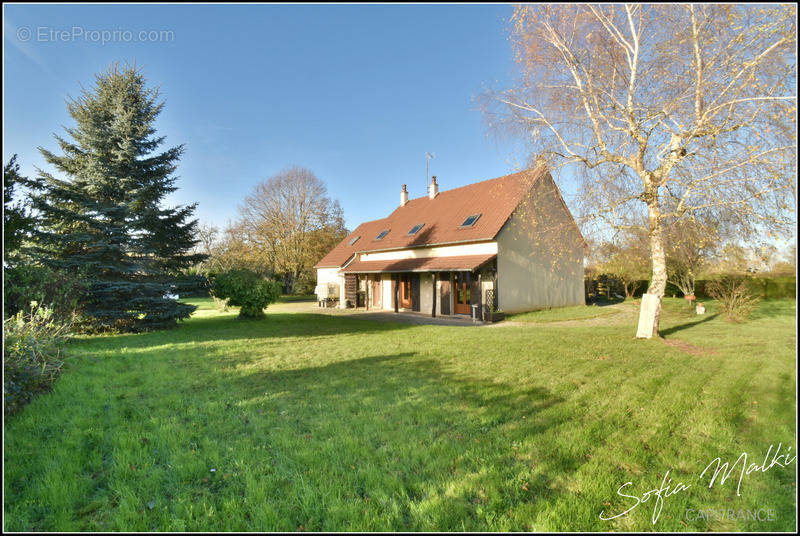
column 245, row 289
column 32, row 347
column 734, row 297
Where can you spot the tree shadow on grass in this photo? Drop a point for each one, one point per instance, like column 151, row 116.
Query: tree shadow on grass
column 381, row 442
column 409, row 442
column 227, row 328
column 449, row 449
column 604, row 301
column 687, row 325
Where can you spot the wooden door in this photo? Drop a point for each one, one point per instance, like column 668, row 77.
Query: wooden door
column 405, row 291
column 462, row 293
column 415, row 282
column 376, row 292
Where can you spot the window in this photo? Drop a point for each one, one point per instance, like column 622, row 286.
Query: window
column 354, row 240
column 383, row 233
column 414, row 230
column 470, row 221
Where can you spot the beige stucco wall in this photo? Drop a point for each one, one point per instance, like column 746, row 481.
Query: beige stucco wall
column 425, row 293
column 540, row 254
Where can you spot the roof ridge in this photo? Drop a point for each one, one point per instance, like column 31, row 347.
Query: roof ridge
column 507, row 175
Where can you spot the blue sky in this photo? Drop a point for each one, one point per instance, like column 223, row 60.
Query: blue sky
column 355, row 93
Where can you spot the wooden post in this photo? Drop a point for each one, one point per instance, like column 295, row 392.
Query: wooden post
column 396, row 293
column 433, row 311
column 480, row 298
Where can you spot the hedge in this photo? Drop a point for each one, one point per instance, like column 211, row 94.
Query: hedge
column 766, row 288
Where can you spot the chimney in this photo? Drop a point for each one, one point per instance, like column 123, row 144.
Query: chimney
column 403, row 196
column 433, row 188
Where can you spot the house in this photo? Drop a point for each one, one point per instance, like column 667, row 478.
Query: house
column 508, row 244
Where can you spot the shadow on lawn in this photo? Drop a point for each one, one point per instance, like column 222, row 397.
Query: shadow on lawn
column 604, row 301
column 681, row 327
column 484, row 445
column 227, row 328
column 421, row 445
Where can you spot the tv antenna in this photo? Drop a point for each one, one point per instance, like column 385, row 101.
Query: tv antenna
column 428, row 157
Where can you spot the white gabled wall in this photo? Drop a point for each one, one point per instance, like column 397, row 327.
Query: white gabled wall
column 540, row 254
column 325, row 277
column 330, row 276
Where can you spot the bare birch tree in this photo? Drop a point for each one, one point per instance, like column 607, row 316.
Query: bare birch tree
column 667, row 111
column 207, row 238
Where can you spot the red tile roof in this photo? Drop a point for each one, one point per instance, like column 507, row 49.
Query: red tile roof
column 427, row 264
column 442, row 216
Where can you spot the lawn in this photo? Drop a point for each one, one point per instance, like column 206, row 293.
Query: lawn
column 560, row 314
column 285, row 298
column 305, row 421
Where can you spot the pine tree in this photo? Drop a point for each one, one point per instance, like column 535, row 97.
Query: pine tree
column 105, row 219
column 17, row 221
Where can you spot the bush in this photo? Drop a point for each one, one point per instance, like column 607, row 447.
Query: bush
column 32, row 347
column 245, row 289
column 24, row 284
column 734, row 297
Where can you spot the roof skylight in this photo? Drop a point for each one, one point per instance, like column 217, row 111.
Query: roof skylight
column 414, row 230
column 470, row 221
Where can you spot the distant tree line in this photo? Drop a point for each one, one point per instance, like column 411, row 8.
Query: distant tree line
column 698, row 250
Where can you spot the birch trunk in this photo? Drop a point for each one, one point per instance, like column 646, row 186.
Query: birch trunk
column 658, row 281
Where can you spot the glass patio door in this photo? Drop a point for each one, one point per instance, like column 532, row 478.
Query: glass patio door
column 462, row 294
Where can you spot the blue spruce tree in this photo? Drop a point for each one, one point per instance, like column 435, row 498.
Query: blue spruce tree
column 104, row 217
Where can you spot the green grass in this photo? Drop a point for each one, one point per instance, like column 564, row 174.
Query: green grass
column 325, row 422
column 577, row 312
column 285, row 298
